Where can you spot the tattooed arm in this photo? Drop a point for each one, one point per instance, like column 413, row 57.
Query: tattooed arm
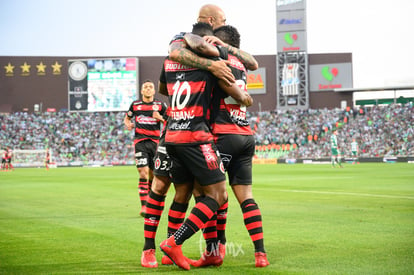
column 247, row 59
column 179, row 53
column 199, row 45
column 242, row 97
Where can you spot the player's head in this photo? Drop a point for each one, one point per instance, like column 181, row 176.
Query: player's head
column 212, row 15
column 147, row 89
column 229, row 35
column 202, row 29
column 334, row 131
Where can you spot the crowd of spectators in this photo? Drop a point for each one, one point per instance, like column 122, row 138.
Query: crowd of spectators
column 71, row 137
column 379, row 130
column 101, row 137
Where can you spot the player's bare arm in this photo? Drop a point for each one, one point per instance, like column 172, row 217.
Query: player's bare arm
column 247, row 59
column 162, row 88
column 157, row 116
column 198, row 44
column 128, row 123
column 219, row 69
column 242, row 97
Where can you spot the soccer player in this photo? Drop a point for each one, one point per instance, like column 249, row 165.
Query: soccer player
column 212, row 15
column 215, row 17
column 155, row 205
column 336, row 157
column 147, row 114
column 4, row 160
column 9, row 159
column 235, row 142
column 47, row 159
column 355, row 151
column 191, row 148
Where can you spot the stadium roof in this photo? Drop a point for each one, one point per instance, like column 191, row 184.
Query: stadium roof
column 374, row 89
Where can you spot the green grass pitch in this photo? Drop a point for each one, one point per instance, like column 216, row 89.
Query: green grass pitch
column 317, row 220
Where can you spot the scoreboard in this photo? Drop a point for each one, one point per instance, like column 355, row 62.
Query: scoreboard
column 102, row 85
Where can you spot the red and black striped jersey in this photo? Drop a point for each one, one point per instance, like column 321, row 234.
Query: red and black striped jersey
column 189, row 92
column 146, row 127
column 230, row 118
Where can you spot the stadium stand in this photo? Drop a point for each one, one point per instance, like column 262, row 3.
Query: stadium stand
column 100, row 138
column 379, row 130
column 74, row 138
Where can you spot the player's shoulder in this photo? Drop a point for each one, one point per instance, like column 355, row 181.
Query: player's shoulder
column 160, row 103
column 236, row 62
column 137, row 102
column 157, row 102
column 178, row 37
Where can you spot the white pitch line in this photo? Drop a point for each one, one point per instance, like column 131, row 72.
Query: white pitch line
column 349, row 194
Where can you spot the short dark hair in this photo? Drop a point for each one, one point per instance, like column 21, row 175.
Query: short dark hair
column 202, row 29
column 229, row 35
column 146, row 81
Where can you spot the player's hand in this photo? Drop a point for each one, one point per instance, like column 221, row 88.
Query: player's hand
column 220, row 70
column 247, row 100
column 214, row 40
column 129, row 125
column 157, row 116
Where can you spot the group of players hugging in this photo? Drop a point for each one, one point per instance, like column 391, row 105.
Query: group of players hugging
column 204, row 135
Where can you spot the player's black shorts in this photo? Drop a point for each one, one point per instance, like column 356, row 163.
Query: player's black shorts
column 162, row 162
column 237, row 152
column 201, row 162
column 3, row 160
column 145, row 153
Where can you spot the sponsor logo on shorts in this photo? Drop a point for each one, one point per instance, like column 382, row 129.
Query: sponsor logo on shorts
column 210, row 156
column 142, row 161
column 157, row 163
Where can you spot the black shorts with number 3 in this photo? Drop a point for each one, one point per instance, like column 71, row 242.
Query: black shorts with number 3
column 162, row 162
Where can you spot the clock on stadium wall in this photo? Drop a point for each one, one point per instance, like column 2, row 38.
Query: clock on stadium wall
column 78, row 70
column 77, row 85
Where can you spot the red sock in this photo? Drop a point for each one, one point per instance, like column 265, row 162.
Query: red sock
column 210, row 234
column 154, row 208
column 201, row 213
column 143, row 190
column 222, row 222
column 253, row 222
column 176, row 216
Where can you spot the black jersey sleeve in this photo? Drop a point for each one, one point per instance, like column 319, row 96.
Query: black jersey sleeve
column 163, row 108
column 179, row 36
column 162, row 78
column 224, row 53
column 130, row 112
